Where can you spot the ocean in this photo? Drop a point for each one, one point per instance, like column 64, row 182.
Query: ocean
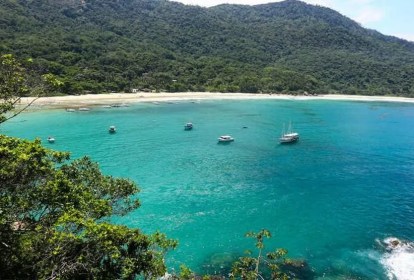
column 336, row 198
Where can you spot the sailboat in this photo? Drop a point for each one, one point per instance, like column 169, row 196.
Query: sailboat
column 288, row 136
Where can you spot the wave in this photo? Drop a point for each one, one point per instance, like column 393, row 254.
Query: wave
column 398, row 260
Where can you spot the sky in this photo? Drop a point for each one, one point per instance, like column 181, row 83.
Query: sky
column 390, row 17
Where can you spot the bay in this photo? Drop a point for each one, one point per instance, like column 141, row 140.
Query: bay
column 331, row 199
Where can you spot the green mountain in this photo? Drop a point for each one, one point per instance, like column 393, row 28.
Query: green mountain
column 290, row 46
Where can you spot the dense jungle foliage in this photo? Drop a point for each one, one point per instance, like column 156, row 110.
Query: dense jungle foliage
column 120, row 45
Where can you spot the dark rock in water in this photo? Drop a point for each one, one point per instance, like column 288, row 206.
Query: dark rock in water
column 298, row 269
column 210, row 277
column 218, row 265
column 395, row 243
column 392, row 243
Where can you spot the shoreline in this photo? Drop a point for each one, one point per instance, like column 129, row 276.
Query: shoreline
column 79, row 101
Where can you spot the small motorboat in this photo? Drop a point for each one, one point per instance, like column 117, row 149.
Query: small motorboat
column 50, row 139
column 225, row 138
column 112, row 129
column 188, row 126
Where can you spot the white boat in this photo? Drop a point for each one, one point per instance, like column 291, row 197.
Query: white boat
column 188, row 126
column 288, row 136
column 117, row 105
column 50, row 139
column 70, row 110
column 112, row 129
column 225, row 138
column 84, row 109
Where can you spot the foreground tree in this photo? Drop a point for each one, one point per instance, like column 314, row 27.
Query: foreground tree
column 54, row 219
column 252, row 268
column 18, row 80
column 55, row 213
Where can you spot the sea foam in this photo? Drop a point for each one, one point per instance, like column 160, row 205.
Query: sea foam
column 399, row 258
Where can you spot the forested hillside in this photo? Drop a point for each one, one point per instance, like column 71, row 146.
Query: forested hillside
column 117, row 45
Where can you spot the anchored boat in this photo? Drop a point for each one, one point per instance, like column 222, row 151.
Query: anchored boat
column 288, row 136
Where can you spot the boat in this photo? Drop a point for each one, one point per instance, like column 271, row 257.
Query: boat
column 50, row 139
column 225, row 138
column 112, row 129
column 288, row 139
column 288, row 136
column 188, row 126
column 118, row 105
column 70, row 110
column 84, row 109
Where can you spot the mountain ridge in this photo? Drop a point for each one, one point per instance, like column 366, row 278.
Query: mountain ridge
column 288, row 46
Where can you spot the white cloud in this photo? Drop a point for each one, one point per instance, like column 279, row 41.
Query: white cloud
column 369, row 14
column 406, row 36
column 325, row 3
column 363, row 2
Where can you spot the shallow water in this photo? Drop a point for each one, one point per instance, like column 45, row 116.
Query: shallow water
column 330, row 199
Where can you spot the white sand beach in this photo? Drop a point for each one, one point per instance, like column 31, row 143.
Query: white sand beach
column 78, row 101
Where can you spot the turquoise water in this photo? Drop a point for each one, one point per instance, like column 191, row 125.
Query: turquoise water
column 332, row 199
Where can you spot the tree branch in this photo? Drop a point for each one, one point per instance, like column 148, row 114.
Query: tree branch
column 21, row 110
